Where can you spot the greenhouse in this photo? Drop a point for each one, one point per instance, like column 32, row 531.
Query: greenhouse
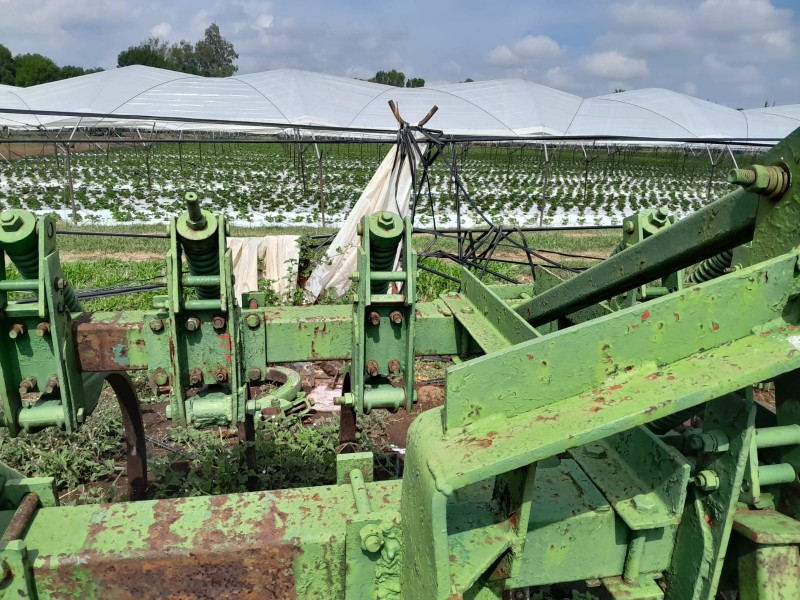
column 286, row 99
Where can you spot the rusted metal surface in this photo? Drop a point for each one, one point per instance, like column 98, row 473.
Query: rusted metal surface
column 136, row 449
column 109, row 345
column 21, row 519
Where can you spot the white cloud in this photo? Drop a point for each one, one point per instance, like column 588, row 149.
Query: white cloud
column 162, row 30
column 531, row 47
column 614, row 65
column 557, row 78
column 263, row 21
column 689, row 87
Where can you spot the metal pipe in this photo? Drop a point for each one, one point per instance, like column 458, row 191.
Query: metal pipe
column 360, row 495
column 775, row 474
column 770, row 437
column 19, row 285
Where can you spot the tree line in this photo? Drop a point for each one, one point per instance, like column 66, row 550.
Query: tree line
column 24, row 70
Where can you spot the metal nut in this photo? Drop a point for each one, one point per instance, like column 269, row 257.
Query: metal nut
column 195, row 376
column 218, row 322
column 156, row 324
column 254, row 374
column 192, row 324
column 252, row 321
column 374, row 318
column 27, row 385
column 643, row 503
column 52, row 385
column 160, row 377
column 394, row 366
column 10, row 221
column 707, row 480
column 371, row 538
column 396, row 317
column 372, row 368
column 43, row 329
column 60, row 283
column 220, row 375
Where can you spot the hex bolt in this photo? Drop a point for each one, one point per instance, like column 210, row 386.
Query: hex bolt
column 706, row 480
column 385, row 221
column 252, row 321
column 17, row 330
column 27, row 385
column 371, row 538
column 220, row 375
column 60, row 283
column 52, row 385
column 195, row 376
column 218, row 322
column 192, row 324
column 80, row 415
column 643, row 503
column 355, row 276
column 394, row 366
column 254, row 374
column 10, row 221
column 374, row 318
column 43, row 329
column 396, row 317
column 346, row 399
column 372, row 368
column 156, row 324
column 629, row 227
column 160, row 377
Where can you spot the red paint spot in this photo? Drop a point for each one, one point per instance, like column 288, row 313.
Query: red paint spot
column 677, row 316
column 530, row 356
column 710, row 521
column 670, row 377
column 600, row 399
column 634, row 327
column 596, row 391
column 766, row 333
column 595, row 409
column 715, row 326
column 614, row 388
column 653, row 376
column 543, row 419
column 645, row 315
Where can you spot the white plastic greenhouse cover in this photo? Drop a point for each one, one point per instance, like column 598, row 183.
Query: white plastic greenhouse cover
column 286, row 98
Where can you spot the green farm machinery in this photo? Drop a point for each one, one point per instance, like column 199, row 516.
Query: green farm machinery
column 562, row 452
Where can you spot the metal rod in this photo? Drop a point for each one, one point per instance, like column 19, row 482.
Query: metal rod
column 633, row 559
column 19, row 285
column 770, row 437
column 21, row 519
column 775, row 474
column 360, row 495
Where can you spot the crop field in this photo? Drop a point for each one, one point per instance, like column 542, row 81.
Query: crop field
column 279, row 183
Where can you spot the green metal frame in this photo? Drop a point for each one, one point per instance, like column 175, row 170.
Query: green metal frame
column 549, row 462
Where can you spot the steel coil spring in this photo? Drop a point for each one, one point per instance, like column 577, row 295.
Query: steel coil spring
column 28, row 265
column 711, row 268
column 381, row 259
column 202, row 257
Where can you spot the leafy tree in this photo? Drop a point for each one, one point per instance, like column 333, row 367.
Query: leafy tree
column 33, row 69
column 468, row 80
column 69, row 71
column 393, row 77
column 214, row 55
column 8, row 68
column 415, row 82
column 619, row 90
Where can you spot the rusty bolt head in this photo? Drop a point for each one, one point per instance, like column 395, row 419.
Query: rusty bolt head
column 371, row 538
column 27, row 385
column 160, row 377
column 374, row 318
column 17, row 330
column 10, row 221
column 195, row 376
column 396, row 317
column 43, row 329
column 372, row 368
column 252, row 321
column 192, row 324
column 220, row 375
column 156, row 324
column 218, row 322
column 394, row 366
column 52, row 385
column 60, row 283
column 254, row 374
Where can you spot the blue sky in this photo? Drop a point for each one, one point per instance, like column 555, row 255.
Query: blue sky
column 735, row 52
